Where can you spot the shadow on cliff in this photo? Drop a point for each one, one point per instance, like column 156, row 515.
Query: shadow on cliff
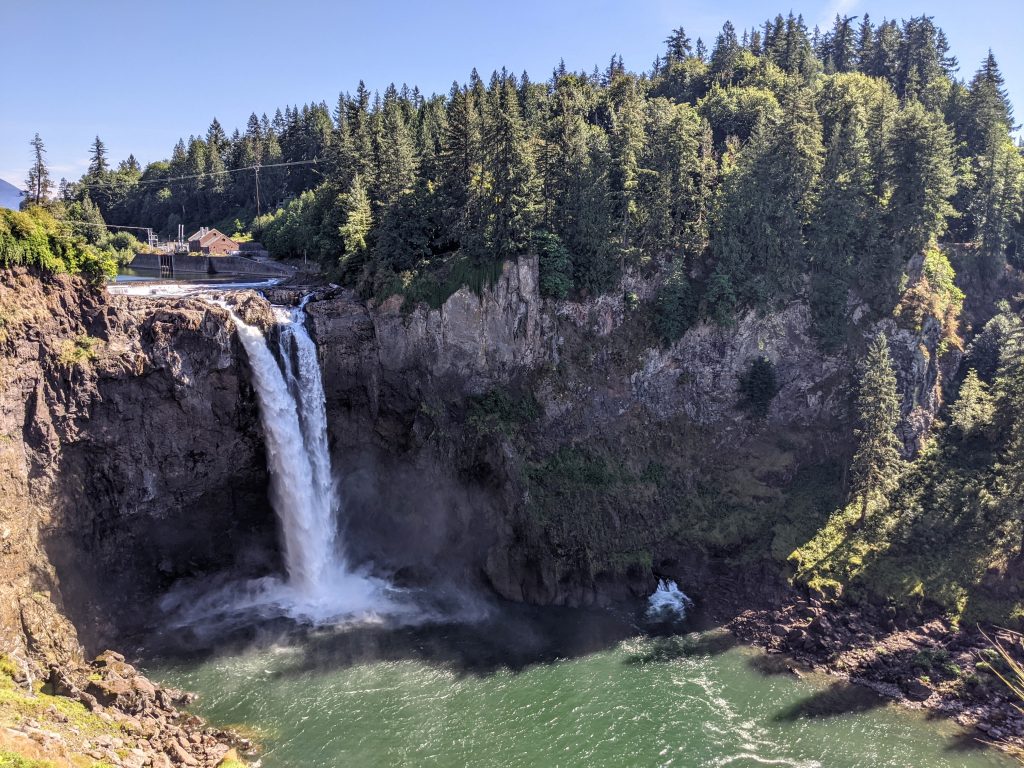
column 161, row 475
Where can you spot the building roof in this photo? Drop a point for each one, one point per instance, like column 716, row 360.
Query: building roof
column 206, row 236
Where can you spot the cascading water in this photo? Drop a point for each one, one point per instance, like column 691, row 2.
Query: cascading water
column 320, row 587
column 668, row 603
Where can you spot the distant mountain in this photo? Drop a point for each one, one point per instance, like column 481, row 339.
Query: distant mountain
column 10, row 196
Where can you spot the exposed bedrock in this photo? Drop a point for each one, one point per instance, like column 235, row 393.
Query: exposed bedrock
column 552, row 451
column 130, row 453
column 444, row 476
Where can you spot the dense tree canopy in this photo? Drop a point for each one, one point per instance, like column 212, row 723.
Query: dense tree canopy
column 777, row 154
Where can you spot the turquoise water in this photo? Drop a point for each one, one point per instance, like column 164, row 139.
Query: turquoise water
column 564, row 690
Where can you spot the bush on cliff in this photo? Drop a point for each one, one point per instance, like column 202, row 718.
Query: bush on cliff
column 34, row 238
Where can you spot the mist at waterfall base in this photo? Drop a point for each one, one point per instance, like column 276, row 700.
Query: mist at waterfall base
column 319, row 587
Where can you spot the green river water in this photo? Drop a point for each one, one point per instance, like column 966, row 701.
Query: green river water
column 549, row 688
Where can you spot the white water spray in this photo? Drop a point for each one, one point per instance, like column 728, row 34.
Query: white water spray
column 668, row 602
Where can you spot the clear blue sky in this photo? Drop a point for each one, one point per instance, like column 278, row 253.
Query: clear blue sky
column 142, row 73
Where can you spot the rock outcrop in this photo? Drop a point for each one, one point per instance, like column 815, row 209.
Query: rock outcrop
column 424, row 483
column 130, row 455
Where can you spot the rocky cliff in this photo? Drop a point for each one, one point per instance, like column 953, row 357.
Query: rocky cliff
column 130, row 456
column 558, row 453
column 555, row 452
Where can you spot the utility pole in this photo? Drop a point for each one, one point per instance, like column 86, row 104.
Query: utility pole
column 257, row 169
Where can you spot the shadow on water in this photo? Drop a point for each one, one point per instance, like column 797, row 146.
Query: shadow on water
column 669, row 647
column 774, row 664
column 507, row 636
column 963, row 741
column 835, row 701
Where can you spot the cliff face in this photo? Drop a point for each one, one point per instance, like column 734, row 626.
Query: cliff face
column 552, row 451
column 130, row 455
column 557, row 452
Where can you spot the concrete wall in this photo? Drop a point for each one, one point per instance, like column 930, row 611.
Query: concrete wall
column 146, row 261
column 197, row 265
column 239, row 265
column 217, row 265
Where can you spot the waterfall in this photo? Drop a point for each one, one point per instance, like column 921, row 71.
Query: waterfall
column 320, row 586
column 668, row 602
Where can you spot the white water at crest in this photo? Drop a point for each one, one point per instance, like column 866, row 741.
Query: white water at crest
column 320, row 587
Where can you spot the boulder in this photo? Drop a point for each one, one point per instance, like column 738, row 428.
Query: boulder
column 916, row 690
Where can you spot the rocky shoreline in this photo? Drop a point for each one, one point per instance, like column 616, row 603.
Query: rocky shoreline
column 930, row 665
column 107, row 711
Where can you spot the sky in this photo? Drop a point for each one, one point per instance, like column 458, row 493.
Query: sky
column 141, row 75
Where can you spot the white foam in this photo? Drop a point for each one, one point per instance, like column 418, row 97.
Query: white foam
column 668, row 602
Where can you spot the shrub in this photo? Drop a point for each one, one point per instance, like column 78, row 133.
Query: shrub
column 555, row 266
column 34, row 238
column 675, row 308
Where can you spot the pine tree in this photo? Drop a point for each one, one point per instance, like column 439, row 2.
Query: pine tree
column 677, row 46
column 723, row 57
column 987, row 110
column 843, row 45
column 510, row 208
column 844, row 225
column 98, row 164
column 358, row 222
column 362, row 142
column 877, row 462
column 885, row 53
column 865, row 43
column 1009, row 398
column 924, row 63
column 461, row 168
column 216, row 139
column 575, row 169
column 993, row 197
column 673, row 186
column 626, row 140
column 38, row 184
column 394, row 151
column 974, row 408
column 758, row 240
column 700, row 51
column 923, row 178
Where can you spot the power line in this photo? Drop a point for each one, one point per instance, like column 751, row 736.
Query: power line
column 257, row 168
column 107, row 226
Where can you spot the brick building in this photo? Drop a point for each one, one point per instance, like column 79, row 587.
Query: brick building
column 211, row 242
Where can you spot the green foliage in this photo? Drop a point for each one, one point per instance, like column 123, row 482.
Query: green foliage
column 737, row 111
column 10, row 759
column 78, row 351
column 675, row 308
column 877, row 462
column 501, row 411
column 746, row 163
column 36, row 239
column 923, row 178
column 935, row 294
column 974, row 409
column 950, row 535
column 355, row 232
column 758, row 240
column 555, row 266
column 758, row 386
